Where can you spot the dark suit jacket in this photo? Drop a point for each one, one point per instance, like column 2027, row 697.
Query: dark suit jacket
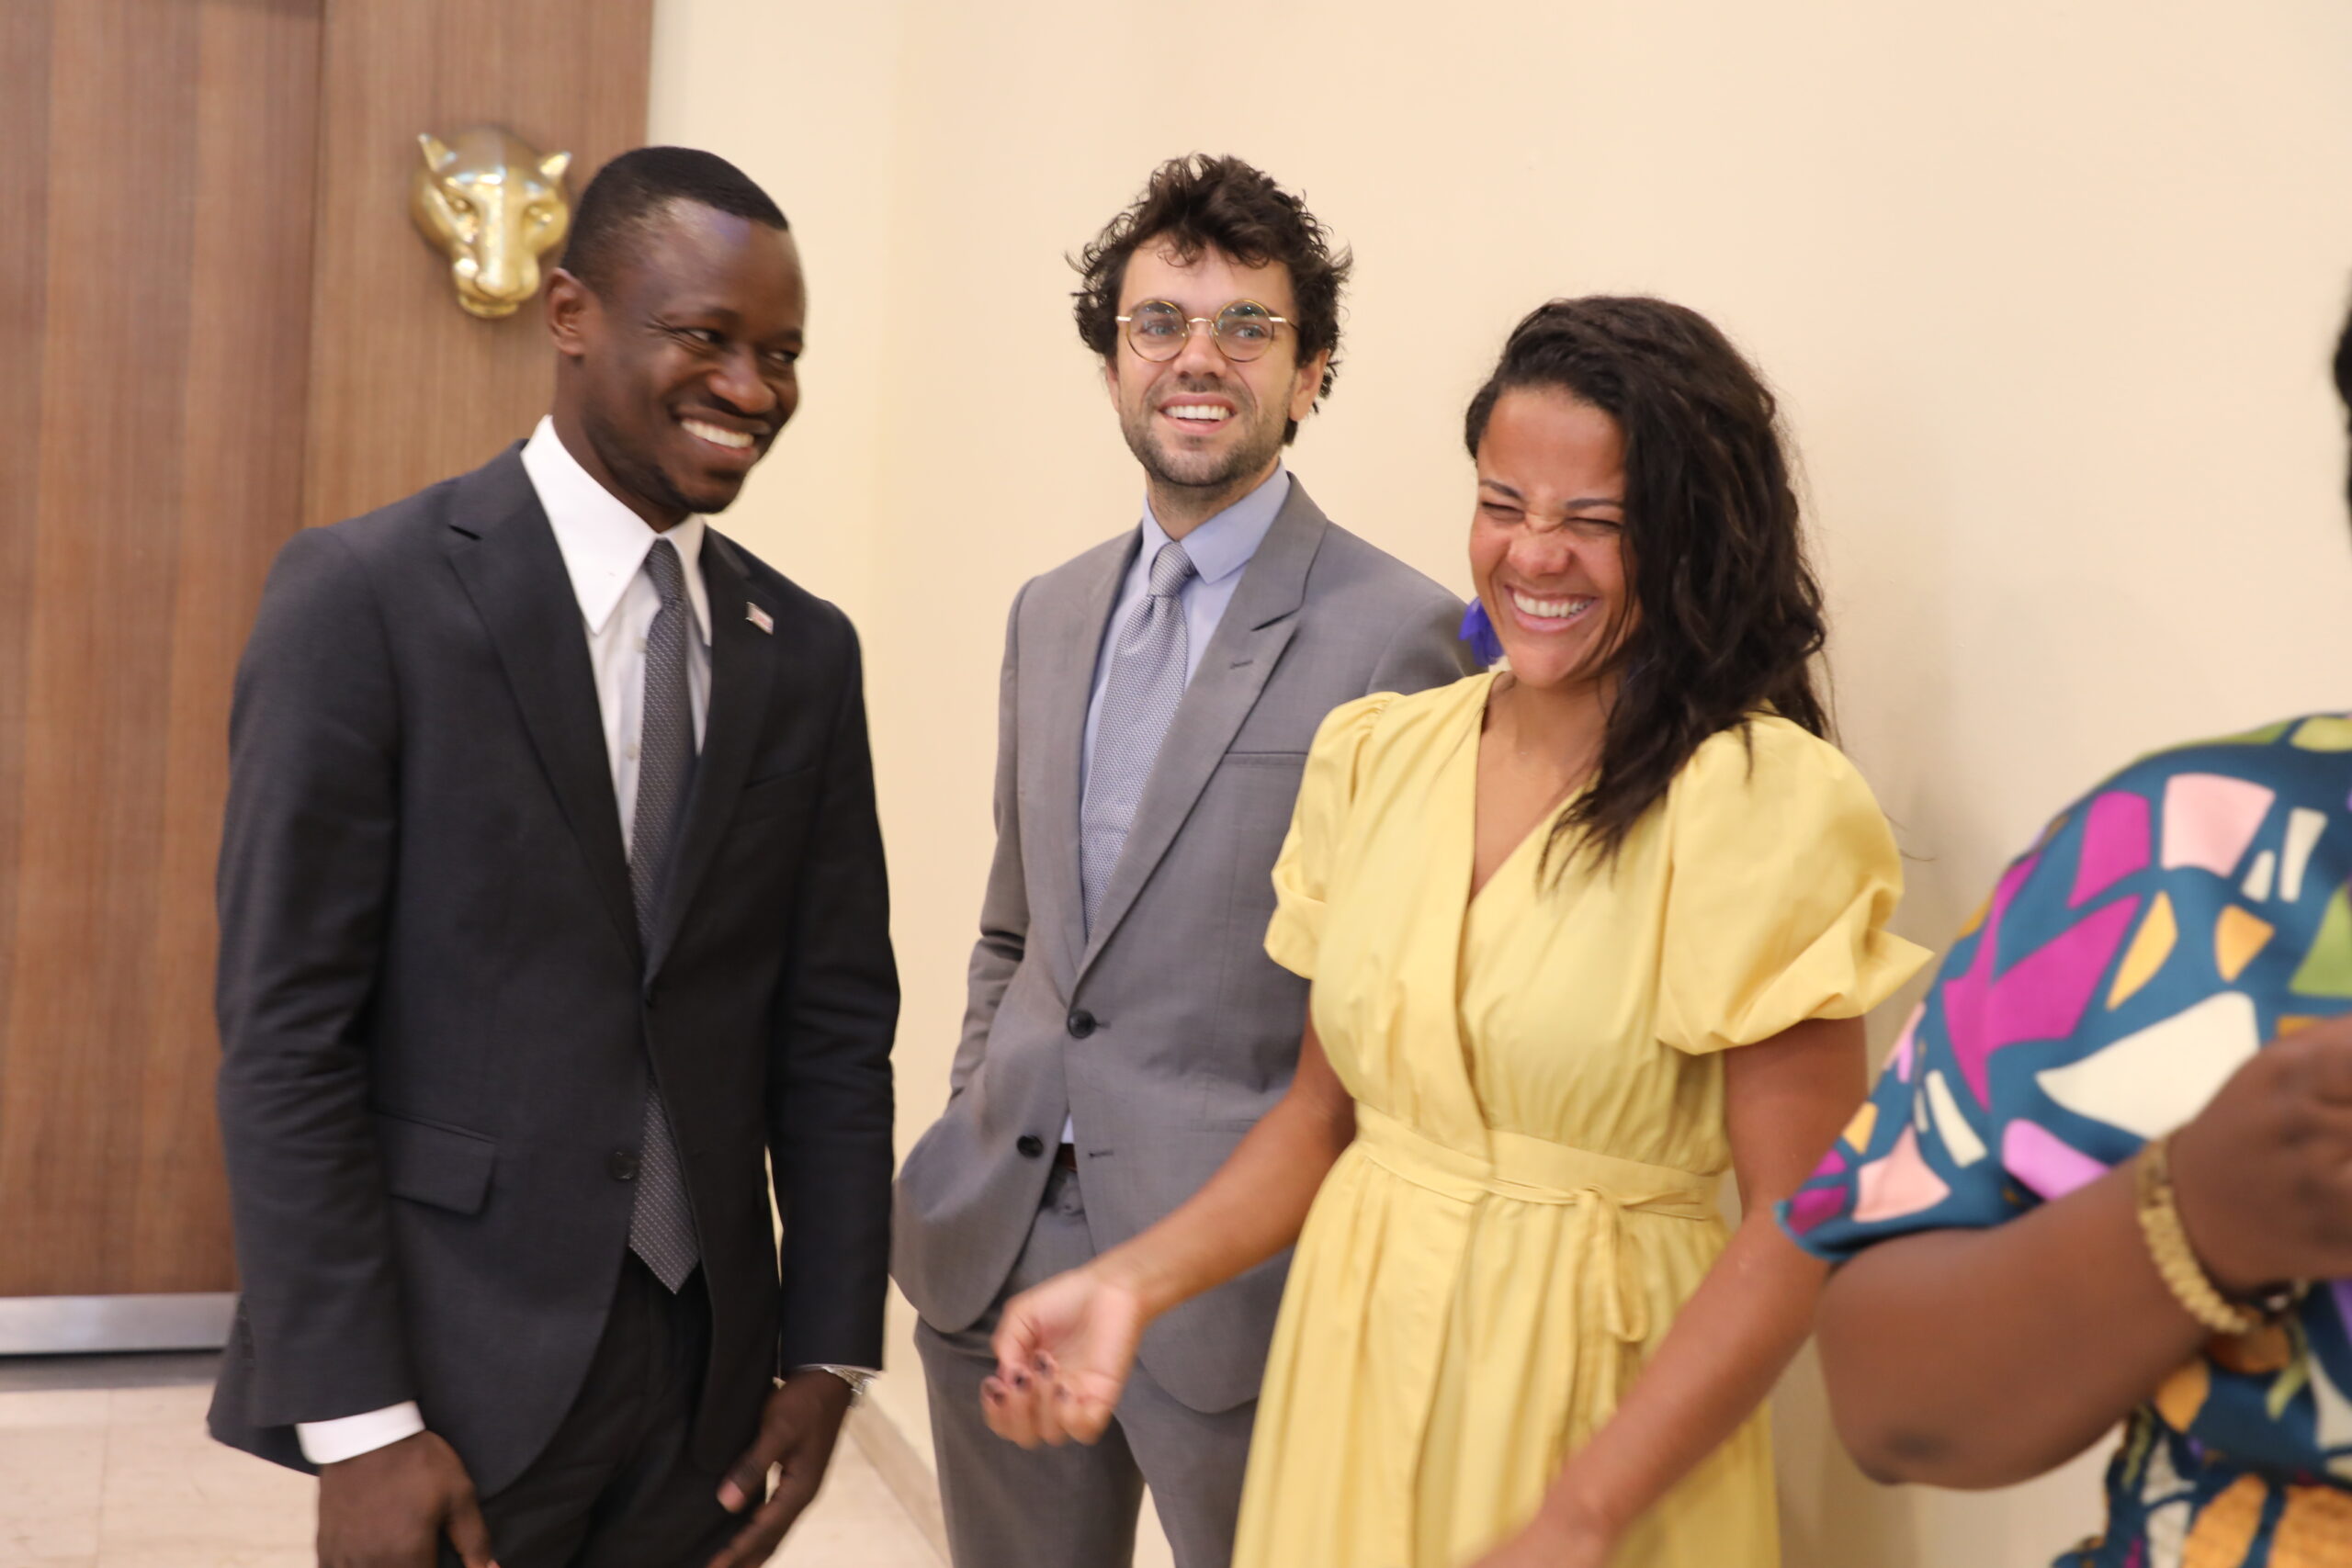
column 437, row 1016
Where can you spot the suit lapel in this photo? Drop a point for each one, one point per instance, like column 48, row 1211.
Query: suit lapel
column 1234, row 669
column 742, row 670
column 505, row 555
column 1071, row 638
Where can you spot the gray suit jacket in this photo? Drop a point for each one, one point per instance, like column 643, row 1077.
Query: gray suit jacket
column 1169, row 1033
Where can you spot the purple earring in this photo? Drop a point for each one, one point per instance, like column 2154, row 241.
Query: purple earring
column 1479, row 633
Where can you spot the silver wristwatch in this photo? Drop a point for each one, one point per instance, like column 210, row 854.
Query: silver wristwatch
column 858, row 1378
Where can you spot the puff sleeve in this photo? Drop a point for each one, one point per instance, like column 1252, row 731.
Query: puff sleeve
column 1326, row 791
column 1782, row 876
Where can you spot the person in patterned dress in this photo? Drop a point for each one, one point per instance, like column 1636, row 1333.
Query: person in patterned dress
column 2000, row 1197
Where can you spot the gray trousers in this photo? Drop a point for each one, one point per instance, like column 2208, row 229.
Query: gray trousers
column 1076, row 1507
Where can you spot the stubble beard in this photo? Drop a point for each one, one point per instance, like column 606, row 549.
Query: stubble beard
column 1213, row 472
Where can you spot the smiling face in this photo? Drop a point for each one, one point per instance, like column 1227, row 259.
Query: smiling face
column 1207, row 431
column 1547, row 540
column 678, row 383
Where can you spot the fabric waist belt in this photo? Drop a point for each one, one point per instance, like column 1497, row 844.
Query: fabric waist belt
column 1532, row 1170
column 1599, row 1188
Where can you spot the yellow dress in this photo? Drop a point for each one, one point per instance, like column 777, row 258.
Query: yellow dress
column 1530, row 1196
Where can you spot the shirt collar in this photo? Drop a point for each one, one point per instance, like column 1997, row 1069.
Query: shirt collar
column 1223, row 545
column 603, row 543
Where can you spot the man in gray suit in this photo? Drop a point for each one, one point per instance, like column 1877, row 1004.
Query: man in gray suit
column 1125, row 1027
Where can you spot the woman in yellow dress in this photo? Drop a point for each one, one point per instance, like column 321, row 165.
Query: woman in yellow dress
column 1583, row 935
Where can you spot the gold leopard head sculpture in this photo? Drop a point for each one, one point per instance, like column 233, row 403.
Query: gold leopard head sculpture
column 493, row 206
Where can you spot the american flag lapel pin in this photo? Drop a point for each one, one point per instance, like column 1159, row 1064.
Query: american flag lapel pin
column 760, row 618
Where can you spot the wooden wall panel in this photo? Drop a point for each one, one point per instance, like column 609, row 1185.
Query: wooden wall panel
column 218, row 324
column 241, row 485
column 407, row 388
column 25, row 33
column 175, row 235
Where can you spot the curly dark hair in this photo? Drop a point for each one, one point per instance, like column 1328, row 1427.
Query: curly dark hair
column 1730, row 613
column 1197, row 203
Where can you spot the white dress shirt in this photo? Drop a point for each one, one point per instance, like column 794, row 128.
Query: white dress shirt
column 604, row 546
column 1219, row 549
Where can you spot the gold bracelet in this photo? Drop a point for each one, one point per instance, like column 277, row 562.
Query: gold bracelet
column 2167, row 1240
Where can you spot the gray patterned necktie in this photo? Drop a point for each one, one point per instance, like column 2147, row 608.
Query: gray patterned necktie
column 661, row 1226
column 1147, row 682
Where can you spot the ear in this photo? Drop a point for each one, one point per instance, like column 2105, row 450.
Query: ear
column 553, row 166
column 1308, row 386
column 437, row 156
column 572, row 306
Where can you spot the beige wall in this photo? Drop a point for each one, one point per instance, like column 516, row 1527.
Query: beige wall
column 2048, row 291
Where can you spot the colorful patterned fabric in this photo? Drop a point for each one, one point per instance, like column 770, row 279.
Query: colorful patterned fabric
column 2170, row 922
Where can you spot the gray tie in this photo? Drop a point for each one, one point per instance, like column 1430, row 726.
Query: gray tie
column 1147, row 682
column 661, row 1226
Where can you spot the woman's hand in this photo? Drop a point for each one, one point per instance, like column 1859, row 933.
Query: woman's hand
column 1063, row 1351
column 1549, row 1541
column 2264, row 1173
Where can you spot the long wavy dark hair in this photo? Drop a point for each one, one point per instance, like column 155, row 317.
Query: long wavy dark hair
column 1728, row 614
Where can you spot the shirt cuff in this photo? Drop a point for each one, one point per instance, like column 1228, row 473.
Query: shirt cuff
column 856, row 1377
column 330, row 1442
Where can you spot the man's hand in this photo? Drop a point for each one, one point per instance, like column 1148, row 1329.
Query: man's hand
column 798, row 1430
column 2264, row 1173
column 390, row 1507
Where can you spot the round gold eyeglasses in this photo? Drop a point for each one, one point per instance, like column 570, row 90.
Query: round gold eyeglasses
column 1158, row 330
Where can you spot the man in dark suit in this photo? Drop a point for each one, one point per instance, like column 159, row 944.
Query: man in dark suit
column 553, row 918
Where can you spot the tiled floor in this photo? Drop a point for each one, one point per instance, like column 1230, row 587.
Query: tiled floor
column 126, row 1478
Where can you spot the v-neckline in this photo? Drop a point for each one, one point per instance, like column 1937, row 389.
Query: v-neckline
column 1473, row 890
column 1543, row 824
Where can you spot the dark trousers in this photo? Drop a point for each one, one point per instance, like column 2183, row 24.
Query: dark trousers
column 615, row 1487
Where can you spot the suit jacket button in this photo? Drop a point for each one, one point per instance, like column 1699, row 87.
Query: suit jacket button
column 621, row 1165
column 1081, row 1024
column 1031, row 1145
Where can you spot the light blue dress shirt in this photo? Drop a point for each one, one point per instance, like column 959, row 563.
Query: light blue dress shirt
column 1220, row 548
